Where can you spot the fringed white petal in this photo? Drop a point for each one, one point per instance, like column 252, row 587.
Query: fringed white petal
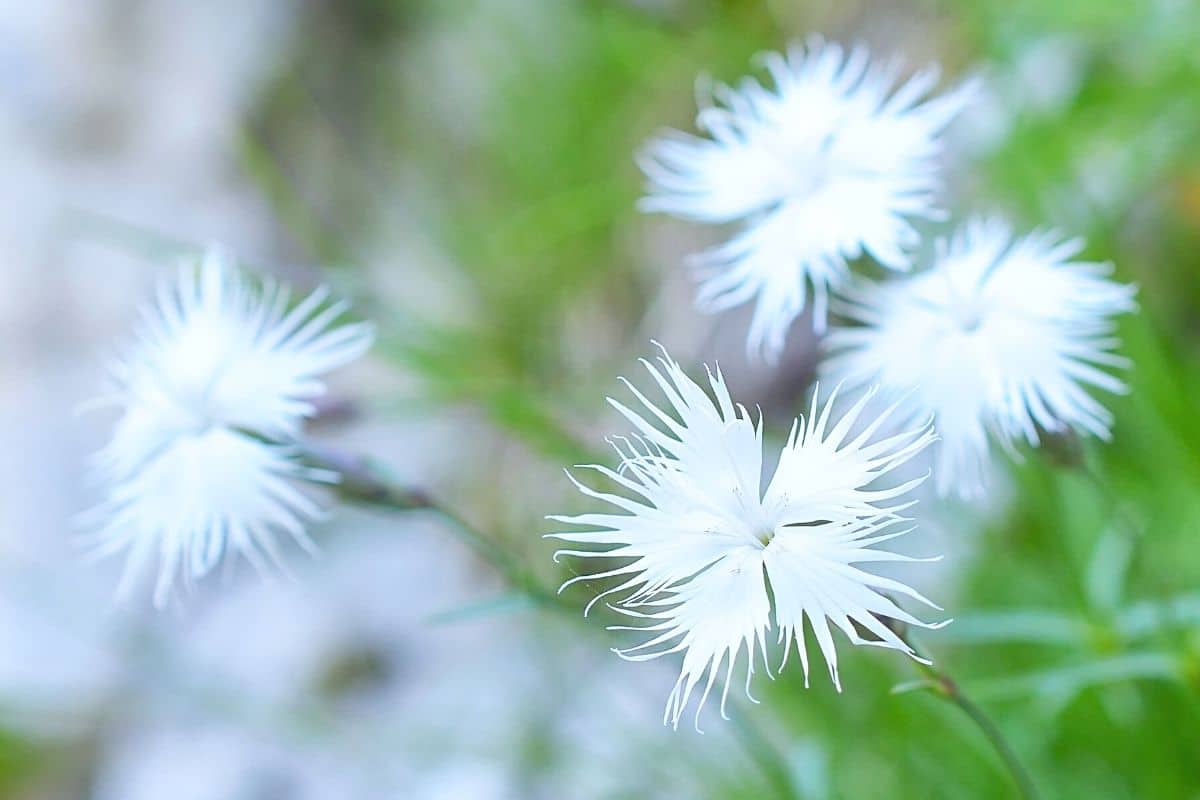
column 221, row 350
column 200, row 497
column 218, row 370
column 697, row 537
column 833, row 161
column 1000, row 335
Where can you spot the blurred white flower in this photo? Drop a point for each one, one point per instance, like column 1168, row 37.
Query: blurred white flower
column 213, row 394
column 701, row 539
column 832, row 162
column 1000, row 335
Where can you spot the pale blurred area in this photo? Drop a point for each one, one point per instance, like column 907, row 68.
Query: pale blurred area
column 122, row 123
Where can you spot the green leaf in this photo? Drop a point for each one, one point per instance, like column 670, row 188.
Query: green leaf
column 1104, row 582
column 1041, row 626
column 1056, row 688
column 1148, row 618
column 919, row 685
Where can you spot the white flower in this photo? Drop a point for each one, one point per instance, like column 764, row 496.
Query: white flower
column 700, row 538
column 999, row 335
column 834, row 161
column 212, row 396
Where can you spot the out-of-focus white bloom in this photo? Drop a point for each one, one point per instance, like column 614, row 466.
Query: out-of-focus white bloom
column 834, row 161
column 700, row 538
column 1001, row 335
column 213, row 395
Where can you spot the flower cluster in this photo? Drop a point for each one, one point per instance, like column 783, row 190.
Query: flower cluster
column 997, row 338
column 212, row 396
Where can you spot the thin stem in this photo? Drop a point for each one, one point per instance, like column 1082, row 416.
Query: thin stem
column 363, row 480
column 945, row 686
column 367, row 482
column 761, row 750
column 1120, row 514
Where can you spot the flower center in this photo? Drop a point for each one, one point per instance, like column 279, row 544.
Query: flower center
column 198, row 419
column 803, row 168
column 812, row 175
column 969, row 316
column 965, row 308
column 764, row 536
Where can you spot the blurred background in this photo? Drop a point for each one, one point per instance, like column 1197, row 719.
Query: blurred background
column 463, row 169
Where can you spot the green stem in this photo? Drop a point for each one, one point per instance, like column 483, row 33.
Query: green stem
column 366, row 482
column 1120, row 514
column 945, row 686
column 761, row 750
